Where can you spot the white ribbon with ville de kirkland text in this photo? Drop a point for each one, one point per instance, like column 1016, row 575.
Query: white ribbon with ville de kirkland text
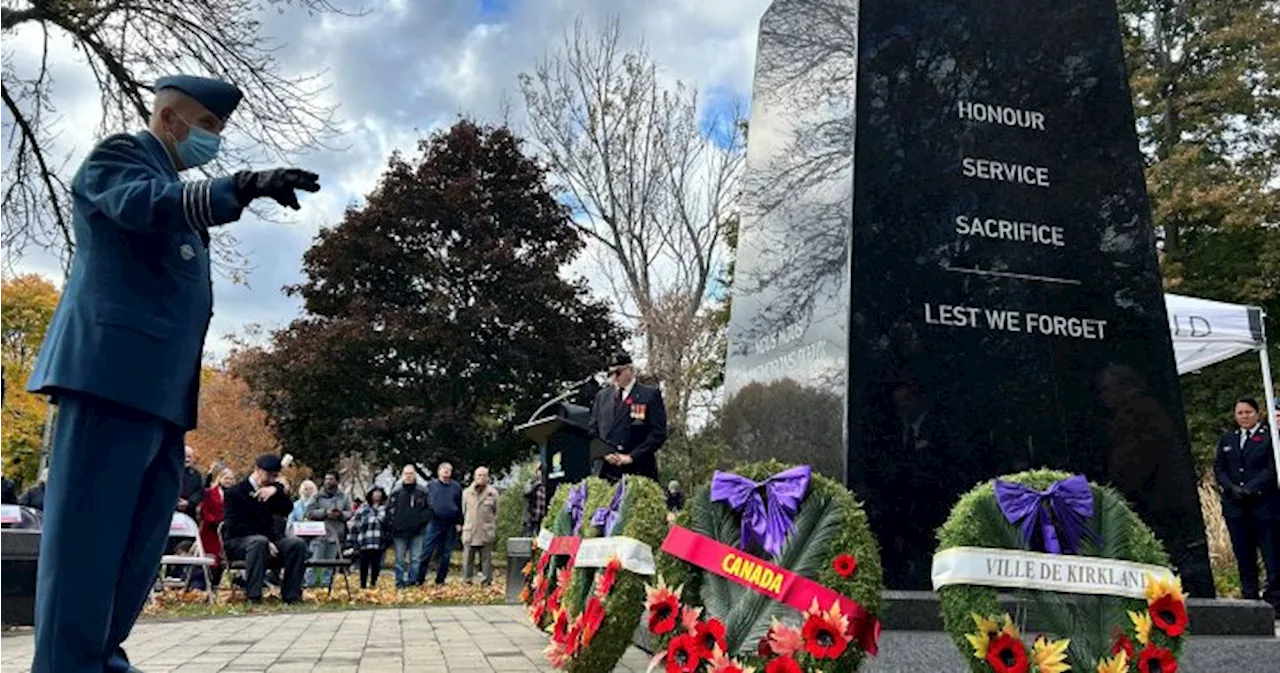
column 1017, row 569
column 635, row 555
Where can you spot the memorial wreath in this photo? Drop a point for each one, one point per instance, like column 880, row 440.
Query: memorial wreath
column 601, row 597
column 547, row 573
column 773, row 567
column 1089, row 571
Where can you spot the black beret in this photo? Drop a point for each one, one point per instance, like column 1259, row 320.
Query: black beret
column 619, row 359
column 269, row 462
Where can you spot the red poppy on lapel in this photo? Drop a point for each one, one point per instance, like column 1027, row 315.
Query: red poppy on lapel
column 1257, row 438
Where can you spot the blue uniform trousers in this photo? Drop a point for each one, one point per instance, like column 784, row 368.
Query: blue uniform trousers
column 113, row 486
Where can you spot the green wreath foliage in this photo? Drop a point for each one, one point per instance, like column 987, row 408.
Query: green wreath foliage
column 642, row 516
column 830, row 522
column 976, row 521
column 559, row 523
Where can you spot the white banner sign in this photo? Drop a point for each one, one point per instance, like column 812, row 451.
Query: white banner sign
column 1017, row 569
column 635, row 555
column 544, row 539
column 308, row 528
column 10, row 514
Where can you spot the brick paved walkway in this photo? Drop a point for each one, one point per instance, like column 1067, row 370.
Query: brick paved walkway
column 485, row 639
column 429, row 639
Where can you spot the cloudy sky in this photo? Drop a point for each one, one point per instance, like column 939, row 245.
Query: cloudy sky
column 406, row 68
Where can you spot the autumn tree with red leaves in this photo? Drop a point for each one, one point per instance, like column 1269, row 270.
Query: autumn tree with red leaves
column 436, row 317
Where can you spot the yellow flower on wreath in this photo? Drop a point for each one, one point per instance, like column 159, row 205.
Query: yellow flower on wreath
column 1141, row 624
column 1050, row 656
column 981, row 639
column 1158, row 588
column 1116, row 664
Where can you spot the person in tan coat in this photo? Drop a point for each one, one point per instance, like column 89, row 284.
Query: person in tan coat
column 479, row 526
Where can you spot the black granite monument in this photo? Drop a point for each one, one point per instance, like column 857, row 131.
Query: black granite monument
column 946, row 267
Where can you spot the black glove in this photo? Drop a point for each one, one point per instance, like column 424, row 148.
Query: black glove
column 277, row 183
column 1238, row 492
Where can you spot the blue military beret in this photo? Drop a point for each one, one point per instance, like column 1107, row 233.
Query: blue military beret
column 217, row 96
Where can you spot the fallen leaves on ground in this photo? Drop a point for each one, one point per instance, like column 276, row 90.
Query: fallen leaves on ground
column 227, row 602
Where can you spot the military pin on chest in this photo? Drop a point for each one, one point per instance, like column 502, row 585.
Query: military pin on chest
column 186, row 251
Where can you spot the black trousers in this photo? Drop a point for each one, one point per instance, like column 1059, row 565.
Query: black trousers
column 256, row 554
column 370, row 566
column 1249, row 534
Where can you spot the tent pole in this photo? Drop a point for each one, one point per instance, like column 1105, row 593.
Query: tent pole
column 1268, row 389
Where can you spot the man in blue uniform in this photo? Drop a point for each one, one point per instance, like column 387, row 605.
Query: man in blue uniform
column 122, row 361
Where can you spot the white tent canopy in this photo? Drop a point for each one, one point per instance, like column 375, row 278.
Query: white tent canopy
column 1207, row 332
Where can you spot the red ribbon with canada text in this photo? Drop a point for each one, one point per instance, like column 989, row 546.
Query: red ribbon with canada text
column 778, row 583
column 564, row 545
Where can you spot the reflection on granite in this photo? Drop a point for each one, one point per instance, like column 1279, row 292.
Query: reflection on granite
column 1003, row 307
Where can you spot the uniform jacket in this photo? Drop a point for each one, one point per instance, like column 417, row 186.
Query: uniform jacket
column 479, row 516
column 1252, row 467
column 131, row 323
column 638, row 425
column 246, row 516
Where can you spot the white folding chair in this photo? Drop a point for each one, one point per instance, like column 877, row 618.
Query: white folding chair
column 183, row 528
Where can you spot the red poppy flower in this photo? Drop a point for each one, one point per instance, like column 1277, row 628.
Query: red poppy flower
column 783, row 665
column 573, row 641
column 537, row 612
column 709, row 636
column 824, row 638
column 663, row 615
column 1123, row 644
column 608, row 578
column 1007, row 654
column 592, row 618
column 543, row 560
column 560, row 632
column 1169, row 615
column 682, row 655
column 844, row 565
column 1154, row 659
column 763, row 650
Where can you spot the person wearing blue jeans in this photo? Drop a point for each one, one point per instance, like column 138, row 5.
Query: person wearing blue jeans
column 407, row 515
column 445, row 498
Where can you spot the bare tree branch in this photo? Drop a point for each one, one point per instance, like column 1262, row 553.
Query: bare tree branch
column 651, row 176
column 126, row 45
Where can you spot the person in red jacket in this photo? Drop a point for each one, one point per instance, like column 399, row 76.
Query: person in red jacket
column 211, row 514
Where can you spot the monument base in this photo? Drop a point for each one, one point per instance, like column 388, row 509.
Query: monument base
column 19, row 555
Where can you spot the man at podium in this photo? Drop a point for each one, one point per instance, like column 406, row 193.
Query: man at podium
column 632, row 417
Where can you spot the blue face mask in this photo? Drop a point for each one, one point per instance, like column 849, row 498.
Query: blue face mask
column 199, row 148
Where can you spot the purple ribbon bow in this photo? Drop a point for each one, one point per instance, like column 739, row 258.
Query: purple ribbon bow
column 1059, row 512
column 606, row 518
column 766, row 507
column 575, row 503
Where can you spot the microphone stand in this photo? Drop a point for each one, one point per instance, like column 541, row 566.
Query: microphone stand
column 561, row 397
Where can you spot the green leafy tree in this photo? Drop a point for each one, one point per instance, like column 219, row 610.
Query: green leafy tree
column 436, row 316
column 1204, row 79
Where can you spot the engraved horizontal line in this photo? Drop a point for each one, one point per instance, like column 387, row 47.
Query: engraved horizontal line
column 1009, row 274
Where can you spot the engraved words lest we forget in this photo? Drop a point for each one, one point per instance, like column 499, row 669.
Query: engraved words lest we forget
column 994, row 227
